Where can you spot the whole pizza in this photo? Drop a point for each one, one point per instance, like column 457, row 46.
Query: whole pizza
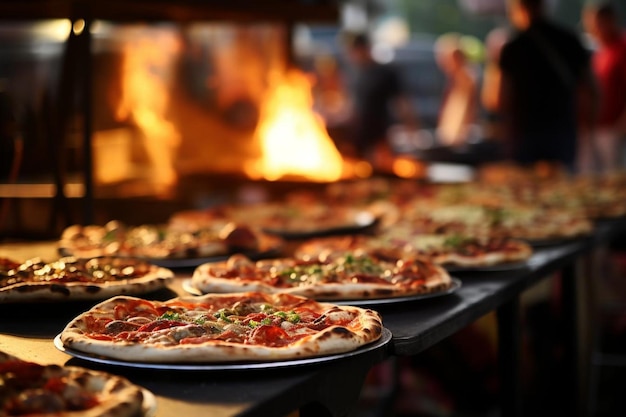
column 341, row 275
column 444, row 249
column 158, row 242
column 293, row 219
column 70, row 279
column 525, row 222
column 218, row 328
column 31, row 389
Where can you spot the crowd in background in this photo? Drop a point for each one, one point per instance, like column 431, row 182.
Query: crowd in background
column 543, row 92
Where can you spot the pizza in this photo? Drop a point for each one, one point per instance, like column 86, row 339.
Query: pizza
column 31, row 389
column 341, row 275
column 447, row 250
column 218, row 328
column 518, row 221
column 172, row 241
column 70, row 279
column 602, row 196
column 286, row 219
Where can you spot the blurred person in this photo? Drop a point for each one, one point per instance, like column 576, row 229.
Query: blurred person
column 609, row 66
column 329, row 92
column 546, row 96
column 459, row 109
column 546, row 90
column 494, row 42
column 378, row 95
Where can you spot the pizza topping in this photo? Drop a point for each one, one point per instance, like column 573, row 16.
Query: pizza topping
column 329, row 268
column 6, row 264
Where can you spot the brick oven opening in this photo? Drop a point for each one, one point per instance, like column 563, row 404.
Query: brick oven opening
column 205, row 99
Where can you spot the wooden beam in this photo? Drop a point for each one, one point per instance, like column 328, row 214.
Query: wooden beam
column 172, row 10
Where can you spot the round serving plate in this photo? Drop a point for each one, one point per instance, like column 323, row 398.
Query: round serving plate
column 180, row 263
column 456, row 284
column 227, row 366
column 547, row 243
column 359, row 223
column 503, row 267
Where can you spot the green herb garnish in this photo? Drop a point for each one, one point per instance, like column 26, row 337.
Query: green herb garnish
column 454, row 241
column 293, row 317
column 170, row 315
column 222, row 316
column 281, row 314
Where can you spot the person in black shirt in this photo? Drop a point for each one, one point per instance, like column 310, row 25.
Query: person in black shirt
column 545, row 82
column 379, row 96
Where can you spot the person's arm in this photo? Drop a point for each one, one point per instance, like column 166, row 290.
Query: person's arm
column 491, row 88
column 504, row 103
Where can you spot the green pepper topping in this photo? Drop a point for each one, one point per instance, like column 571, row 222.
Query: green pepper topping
column 170, row 315
column 293, row 317
column 222, row 315
column 281, row 314
column 267, row 308
column 454, row 241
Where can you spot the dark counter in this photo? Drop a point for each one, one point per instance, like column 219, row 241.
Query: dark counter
column 326, row 388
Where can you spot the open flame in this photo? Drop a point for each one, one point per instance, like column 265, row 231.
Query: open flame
column 292, row 137
column 290, row 141
column 145, row 94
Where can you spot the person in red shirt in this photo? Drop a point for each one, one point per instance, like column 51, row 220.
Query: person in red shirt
column 609, row 65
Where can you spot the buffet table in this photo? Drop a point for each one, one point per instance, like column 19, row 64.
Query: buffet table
column 328, row 387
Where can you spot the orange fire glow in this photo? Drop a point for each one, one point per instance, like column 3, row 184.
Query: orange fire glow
column 145, row 95
column 292, row 137
column 406, row 167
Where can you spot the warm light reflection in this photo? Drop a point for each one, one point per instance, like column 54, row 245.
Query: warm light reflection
column 56, row 29
column 405, row 167
column 362, row 169
column 293, row 138
column 146, row 77
column 78, row 26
